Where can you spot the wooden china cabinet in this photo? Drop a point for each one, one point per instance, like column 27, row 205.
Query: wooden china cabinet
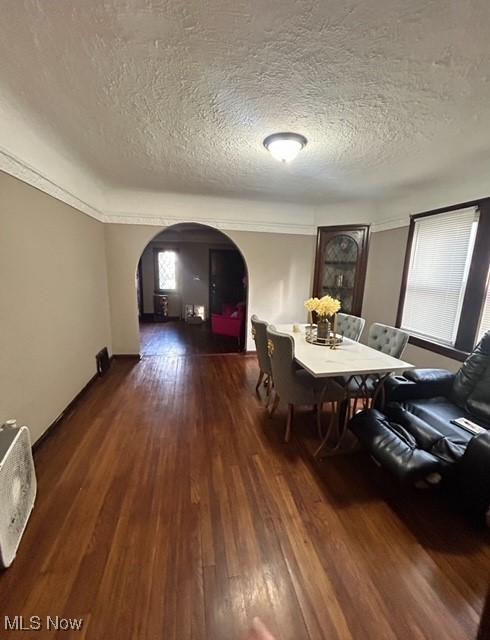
column 340, row 265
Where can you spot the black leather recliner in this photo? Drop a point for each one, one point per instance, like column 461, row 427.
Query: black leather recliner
column 414, row 437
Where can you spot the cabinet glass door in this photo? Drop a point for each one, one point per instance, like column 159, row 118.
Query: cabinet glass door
column 341, row 265
column 339, row 273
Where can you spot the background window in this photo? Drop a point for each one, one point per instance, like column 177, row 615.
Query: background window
column 442, row 247
column 167, row 270
column 444, row 298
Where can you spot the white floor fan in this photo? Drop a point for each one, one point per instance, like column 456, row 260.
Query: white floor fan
column 17, row 488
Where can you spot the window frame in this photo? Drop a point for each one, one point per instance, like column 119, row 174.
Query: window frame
column 156, row 270
column 474, row 296
column 486, row 302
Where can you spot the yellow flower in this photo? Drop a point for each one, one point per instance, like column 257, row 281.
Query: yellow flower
column 311, row 304
column 327, row 306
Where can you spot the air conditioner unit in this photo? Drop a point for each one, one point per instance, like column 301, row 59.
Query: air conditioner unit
column 17, row 488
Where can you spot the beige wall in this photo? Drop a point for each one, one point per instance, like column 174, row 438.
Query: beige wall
column 280, row 270
column 382, row 292
column 54, row 313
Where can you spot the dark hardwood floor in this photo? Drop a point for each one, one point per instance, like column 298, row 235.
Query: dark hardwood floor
column 169, row 508
column 177, row 338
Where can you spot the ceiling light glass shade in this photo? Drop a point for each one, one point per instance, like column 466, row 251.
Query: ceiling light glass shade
column 285, row 146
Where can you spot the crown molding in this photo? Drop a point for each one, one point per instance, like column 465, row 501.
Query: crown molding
column 217, row 223
column 392, row 223
column 20, row 169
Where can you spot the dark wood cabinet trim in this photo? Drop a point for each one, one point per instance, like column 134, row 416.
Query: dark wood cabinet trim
column 361, row 266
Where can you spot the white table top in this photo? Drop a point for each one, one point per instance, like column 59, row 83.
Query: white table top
column 349, row 358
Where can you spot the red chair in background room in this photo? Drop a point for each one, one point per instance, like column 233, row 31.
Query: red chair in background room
column 230, row 322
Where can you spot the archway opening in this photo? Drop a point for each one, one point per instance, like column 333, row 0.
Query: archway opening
column 192, row 283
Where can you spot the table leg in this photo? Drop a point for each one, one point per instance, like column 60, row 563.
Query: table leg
column 332, row 420
column 380, row 391
column 341, row 418
column 344, row 410
column 337, row 419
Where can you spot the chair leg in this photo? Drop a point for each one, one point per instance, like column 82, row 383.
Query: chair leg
column 318, row 411
column 268, row 398
column 259, row 381
column 354, row 408
column 335, row 422
column 274, row 404
column 343, row 411
column 351, row 408
column 289, row 422
column 268, row 385
column 271, row 392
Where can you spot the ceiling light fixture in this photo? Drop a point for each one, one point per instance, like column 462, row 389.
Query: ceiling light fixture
column 285, row 146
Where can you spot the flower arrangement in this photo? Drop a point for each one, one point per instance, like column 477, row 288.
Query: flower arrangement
column 323, row 307
column 326, row 330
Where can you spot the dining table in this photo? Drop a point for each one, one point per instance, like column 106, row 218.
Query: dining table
column 347, row 360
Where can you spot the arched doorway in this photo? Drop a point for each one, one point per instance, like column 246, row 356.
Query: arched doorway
column 192, row 292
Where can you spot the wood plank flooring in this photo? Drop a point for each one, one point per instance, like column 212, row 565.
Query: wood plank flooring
column 177, row 338
column 169, row 508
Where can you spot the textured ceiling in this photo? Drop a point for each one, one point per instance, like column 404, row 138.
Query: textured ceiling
column 178, row 95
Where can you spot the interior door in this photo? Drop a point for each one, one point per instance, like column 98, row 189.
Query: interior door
column 226, row 278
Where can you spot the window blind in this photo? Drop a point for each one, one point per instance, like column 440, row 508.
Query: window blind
column 439, row 263
column 485, row 320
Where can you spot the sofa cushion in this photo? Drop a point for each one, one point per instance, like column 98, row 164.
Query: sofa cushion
column 437, row 413
column 394, row 446
column 429, row 422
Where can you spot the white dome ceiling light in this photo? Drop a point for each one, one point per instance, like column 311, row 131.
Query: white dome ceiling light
column 285, row 146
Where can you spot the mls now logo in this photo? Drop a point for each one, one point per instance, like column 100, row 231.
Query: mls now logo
column 64, row 624
column 36, row 623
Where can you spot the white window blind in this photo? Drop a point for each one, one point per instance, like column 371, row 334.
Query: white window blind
column 167, row 272
column 439, row 264
column 485, row 320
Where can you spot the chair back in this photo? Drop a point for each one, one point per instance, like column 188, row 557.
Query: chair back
column 471, row 387
column 259, row 332
column 350, row 326
column 387, row 339
column 281, row 352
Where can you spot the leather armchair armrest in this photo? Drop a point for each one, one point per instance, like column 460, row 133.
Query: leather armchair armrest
column 419, row 383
